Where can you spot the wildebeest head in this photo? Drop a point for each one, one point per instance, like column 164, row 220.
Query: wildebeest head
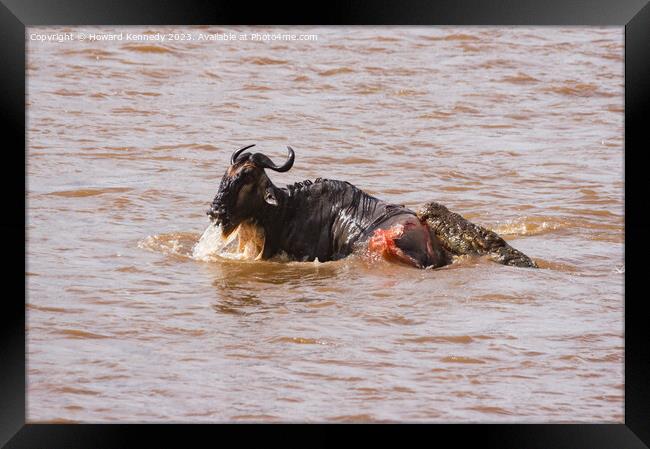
column 245, row 190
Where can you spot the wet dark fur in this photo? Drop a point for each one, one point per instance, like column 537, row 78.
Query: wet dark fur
column 323, row 219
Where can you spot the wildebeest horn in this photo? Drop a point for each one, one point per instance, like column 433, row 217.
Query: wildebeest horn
column 264, row 162
column 234, row 156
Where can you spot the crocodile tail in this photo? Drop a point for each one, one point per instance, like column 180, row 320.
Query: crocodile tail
column 461, row 237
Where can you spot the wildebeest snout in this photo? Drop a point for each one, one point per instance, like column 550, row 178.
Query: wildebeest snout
column 216, row 212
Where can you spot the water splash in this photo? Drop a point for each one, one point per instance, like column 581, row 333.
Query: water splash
column 174, row 244
column 244, row 243
column 530, row 226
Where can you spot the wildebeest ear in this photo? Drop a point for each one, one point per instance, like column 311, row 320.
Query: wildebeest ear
column 269, row 196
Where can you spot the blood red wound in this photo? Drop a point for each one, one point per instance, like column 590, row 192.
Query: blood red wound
column 382, row 244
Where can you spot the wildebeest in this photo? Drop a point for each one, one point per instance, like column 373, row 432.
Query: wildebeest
column 328, row 220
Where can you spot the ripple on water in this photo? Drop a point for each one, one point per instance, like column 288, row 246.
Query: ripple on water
column 263, row 60
column 298, row 340
column 575, row 89
column 77, row 193
column 78, row 334
column 337, row 71
column 463, row 339
column 147, row 48
column 461, row 359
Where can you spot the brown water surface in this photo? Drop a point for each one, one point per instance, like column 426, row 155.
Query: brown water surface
column 518, row 129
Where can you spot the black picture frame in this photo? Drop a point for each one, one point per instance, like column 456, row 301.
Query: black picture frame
column 16, row 15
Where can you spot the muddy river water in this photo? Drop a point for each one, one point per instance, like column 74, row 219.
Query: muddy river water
column 518, row 129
